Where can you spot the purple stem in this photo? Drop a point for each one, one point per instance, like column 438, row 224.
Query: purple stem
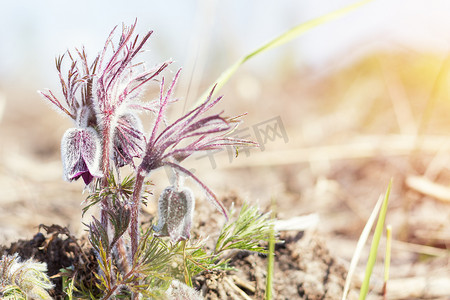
column 105, row 164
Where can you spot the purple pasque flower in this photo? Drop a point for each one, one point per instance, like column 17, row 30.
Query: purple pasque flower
column 191, row 133
column 118, row 84
column 175, row 211
column 81, row 153
column 104, row 96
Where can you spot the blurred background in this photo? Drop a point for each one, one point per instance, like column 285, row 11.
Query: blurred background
column 201, row 32
column 339, row 110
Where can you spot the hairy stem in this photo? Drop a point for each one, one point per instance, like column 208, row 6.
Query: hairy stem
column 105, row 165
column 123, row 256
column 136, row 200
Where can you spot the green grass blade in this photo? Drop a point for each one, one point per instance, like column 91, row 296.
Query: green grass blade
column 375, row 242
column 360, row 246
column 270, row 258
column 387, row 259
column 278, row 41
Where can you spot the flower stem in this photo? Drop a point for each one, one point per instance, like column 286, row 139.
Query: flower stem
column 134, row 222
column 105, row 164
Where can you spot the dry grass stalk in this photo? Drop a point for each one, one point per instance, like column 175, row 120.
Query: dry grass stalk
column 419, row 288
column 422, row 249
column 235, row 288
column 429, row 188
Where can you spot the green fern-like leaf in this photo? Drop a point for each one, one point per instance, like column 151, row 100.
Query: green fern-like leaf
column 98, row 236
column 198, row 259
column 246, row 232
column 153, row 254
column 106, row 275
column 150, row 274
column 119, row 217
column 114, row 191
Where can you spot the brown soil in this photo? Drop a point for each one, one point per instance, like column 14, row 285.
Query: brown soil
column 304, row 267
column 59, row 250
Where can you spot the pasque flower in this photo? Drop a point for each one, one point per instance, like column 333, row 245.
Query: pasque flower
column 102, row 98
column 191, row 133
column 80, row 152
column 169, row 146
column 175, row 211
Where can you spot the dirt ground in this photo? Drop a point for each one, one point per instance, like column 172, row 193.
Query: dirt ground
column 331, row 143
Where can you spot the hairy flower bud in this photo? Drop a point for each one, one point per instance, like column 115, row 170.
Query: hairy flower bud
column 81, row 153
column 175, row 210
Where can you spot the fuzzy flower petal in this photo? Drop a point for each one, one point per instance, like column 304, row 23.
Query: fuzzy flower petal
column 80, row 153
column 175, row 210
column 128, row 139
